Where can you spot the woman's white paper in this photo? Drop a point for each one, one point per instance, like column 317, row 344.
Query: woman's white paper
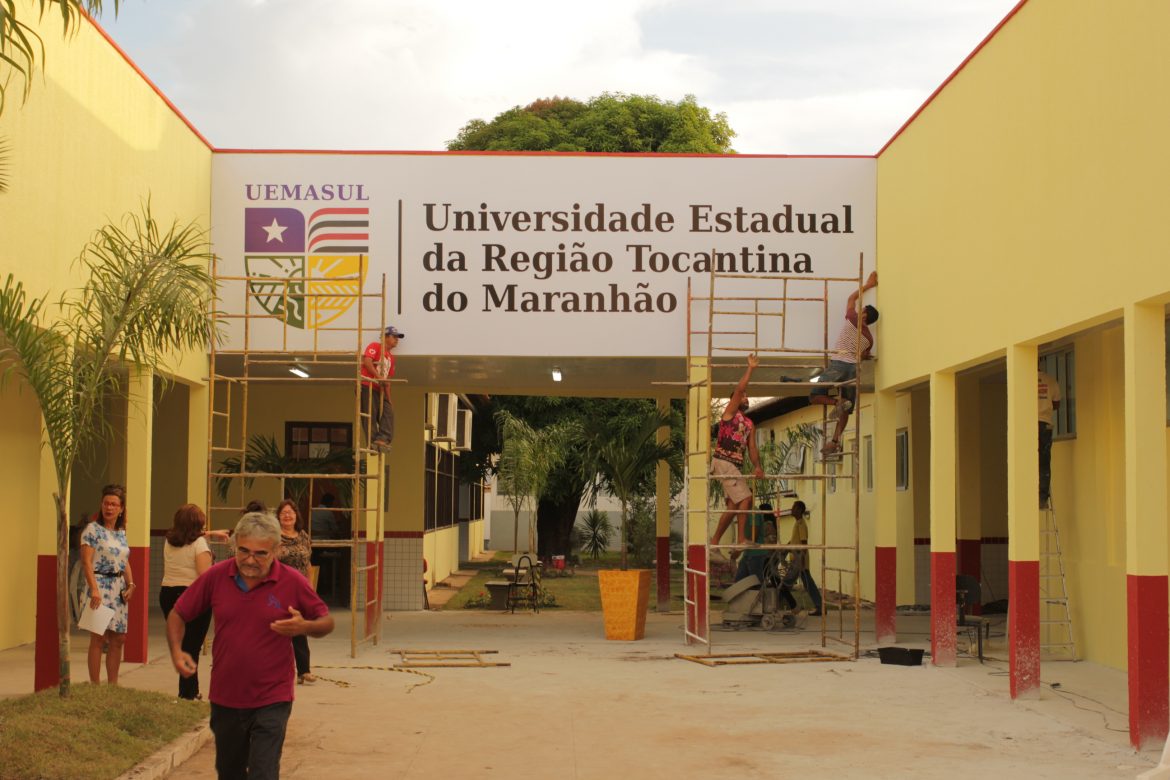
column 95, row 621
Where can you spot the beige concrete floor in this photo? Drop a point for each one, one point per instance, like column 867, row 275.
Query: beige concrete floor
column 573, row 705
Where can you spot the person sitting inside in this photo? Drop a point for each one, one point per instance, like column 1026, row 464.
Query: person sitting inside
column 757, row 529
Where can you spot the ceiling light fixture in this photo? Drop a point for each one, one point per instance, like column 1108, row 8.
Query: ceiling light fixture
column 556, row 374
column 298, row 371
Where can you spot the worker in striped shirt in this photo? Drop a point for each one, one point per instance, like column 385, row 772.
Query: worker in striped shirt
column 843, row 363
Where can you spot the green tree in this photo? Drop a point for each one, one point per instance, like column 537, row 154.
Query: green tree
column 528, row 458
column 144, row 296
column 611, row 122
column 623, row 455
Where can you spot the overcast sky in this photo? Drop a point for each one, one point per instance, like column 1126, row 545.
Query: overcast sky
column 793, row 76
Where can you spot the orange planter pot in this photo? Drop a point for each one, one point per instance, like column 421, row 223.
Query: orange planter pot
column 625, row 596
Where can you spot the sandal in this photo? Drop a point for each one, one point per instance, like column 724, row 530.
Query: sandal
column 307, row 678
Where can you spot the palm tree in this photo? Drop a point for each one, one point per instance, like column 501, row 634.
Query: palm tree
column 624, row 458
column 527, row 459
column 145, row 296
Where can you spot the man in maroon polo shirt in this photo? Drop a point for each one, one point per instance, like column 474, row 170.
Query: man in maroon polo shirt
column 258, row 605
column 377, row 371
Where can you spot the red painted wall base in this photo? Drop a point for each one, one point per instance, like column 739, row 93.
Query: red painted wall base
column 663, row 573
column 1024, row 627
column 1149, row 642
column 885, row 594
column 697, row 589
column 138, row 632
column 970, row 561
column 943, row 616
column 46, row 656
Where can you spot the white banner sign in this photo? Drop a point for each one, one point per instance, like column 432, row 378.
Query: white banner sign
column 537, row 255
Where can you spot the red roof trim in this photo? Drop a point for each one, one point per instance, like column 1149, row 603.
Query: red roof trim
column 543, row 154
column 951, row 77
column 151, row 84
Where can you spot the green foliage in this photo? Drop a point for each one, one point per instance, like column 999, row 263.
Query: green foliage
column 528, row 458
column 21, row 47
column 99, row 731
column 621, row 456
column 642, row 536
column 145, row 296
column 263, row 455
column 610, row 122
column 787, row 456
column 595, row 531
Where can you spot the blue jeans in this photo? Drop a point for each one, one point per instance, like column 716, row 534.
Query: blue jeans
column 248, row 742
column 1045, row 436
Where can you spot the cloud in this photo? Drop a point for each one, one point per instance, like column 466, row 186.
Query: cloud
column 408, row 74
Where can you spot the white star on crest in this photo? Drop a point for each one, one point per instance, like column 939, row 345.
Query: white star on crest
column 275, row 231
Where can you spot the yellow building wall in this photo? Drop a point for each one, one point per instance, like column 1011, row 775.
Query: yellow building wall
column 1088, row 481
column 441, row 549
column 1025, row 205
column 839, row 505
column 1034, row 183
column 475, row 538
column 20, row 431
column 92, row 143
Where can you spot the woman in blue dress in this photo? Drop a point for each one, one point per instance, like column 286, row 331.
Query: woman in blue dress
column 105, row 558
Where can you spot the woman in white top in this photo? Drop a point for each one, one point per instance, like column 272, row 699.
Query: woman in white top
column 186, row 556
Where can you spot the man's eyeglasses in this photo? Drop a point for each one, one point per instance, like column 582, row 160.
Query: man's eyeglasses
column 257, row 555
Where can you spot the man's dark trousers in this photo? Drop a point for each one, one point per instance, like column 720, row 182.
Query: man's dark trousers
column 248, row 742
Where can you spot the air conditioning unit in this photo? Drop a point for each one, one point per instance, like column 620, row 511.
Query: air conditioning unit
column 463, row 430
column 443, row 416
column 428, row 412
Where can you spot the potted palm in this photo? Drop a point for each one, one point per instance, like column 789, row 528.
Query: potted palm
column 624, row 456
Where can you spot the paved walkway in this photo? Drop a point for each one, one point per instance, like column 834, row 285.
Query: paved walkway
column 573, row 705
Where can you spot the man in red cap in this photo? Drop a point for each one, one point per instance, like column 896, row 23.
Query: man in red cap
column 377, row 370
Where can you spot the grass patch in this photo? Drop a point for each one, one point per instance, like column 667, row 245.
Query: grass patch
column 99, row 732
column 577, row 591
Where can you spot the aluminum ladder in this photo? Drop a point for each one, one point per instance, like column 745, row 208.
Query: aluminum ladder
column 1056, row 630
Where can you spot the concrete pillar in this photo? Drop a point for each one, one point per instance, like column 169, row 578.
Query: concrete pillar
column 1145, row 523
column 405, row 518
column 698, row 440
column 886, row 527
column 1023, row 474
column 969, row 505
column 139, row 438
column 662, row 514
column 942, row 518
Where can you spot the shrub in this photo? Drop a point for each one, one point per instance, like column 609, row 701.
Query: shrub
column 595, row 533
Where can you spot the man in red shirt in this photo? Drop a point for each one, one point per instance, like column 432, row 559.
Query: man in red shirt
column 377, row 371
column 258, row 605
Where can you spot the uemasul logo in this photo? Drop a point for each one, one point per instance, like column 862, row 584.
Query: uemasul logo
column 317, row 266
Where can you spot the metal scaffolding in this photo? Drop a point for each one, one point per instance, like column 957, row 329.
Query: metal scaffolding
column 232, row 372
column 743, row 314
